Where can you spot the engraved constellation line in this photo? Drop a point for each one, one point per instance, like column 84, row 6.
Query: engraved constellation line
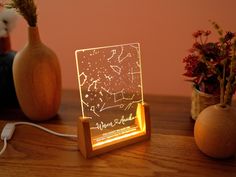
column 138, row 64
column 137, row 48
column 112, row 55
column 132, row 73
column 122, row 97
column 109, row 107
column 94, row 83
column 85, row 103
column 121, row 53
column 130, row 104
column 115, row 95
column 108, row 77
column 116, row 69
column 93, row 110
column 128, row 55
column 85, row 78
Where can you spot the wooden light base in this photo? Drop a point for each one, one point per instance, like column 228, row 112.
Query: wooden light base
column 84, row 135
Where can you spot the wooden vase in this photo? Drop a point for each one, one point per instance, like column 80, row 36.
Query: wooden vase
column 200, row 101
column 37, row 78
column 215, row 131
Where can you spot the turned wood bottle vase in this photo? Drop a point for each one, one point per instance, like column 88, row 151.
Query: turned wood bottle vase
column 37, row 79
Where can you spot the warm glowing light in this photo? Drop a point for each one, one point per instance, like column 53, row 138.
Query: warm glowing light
column 118, row 138
column 116, row 133
column 111, row 93
column 127, row 132
column 140, row 117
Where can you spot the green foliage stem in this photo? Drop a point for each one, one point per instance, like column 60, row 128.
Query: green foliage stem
column 231, row 80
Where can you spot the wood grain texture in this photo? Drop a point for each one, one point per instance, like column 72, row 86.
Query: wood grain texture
column 37, row 78
column 170, row 152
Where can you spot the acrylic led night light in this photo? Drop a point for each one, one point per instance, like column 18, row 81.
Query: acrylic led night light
column 111, row 93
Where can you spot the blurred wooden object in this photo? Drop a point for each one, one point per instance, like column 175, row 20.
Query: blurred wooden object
column 170, row 152
column 215, row 131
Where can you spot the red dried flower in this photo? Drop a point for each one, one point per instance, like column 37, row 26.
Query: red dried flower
column 198, row 33
column 228, row 36
column 204, row 65
column 197, row 45
column 207, row 33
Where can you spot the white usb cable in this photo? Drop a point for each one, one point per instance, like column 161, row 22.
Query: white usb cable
column 4, row 146
column 9, row 129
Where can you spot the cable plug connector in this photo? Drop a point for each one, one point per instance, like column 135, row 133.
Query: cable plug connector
column 9, row 128
column 8, row 131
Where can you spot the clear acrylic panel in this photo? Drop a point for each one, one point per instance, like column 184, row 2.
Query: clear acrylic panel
column 110, row 83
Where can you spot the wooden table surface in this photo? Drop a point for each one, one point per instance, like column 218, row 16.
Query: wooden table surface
column 170, row 152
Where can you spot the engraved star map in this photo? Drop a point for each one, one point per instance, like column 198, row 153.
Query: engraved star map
column 110, row 82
